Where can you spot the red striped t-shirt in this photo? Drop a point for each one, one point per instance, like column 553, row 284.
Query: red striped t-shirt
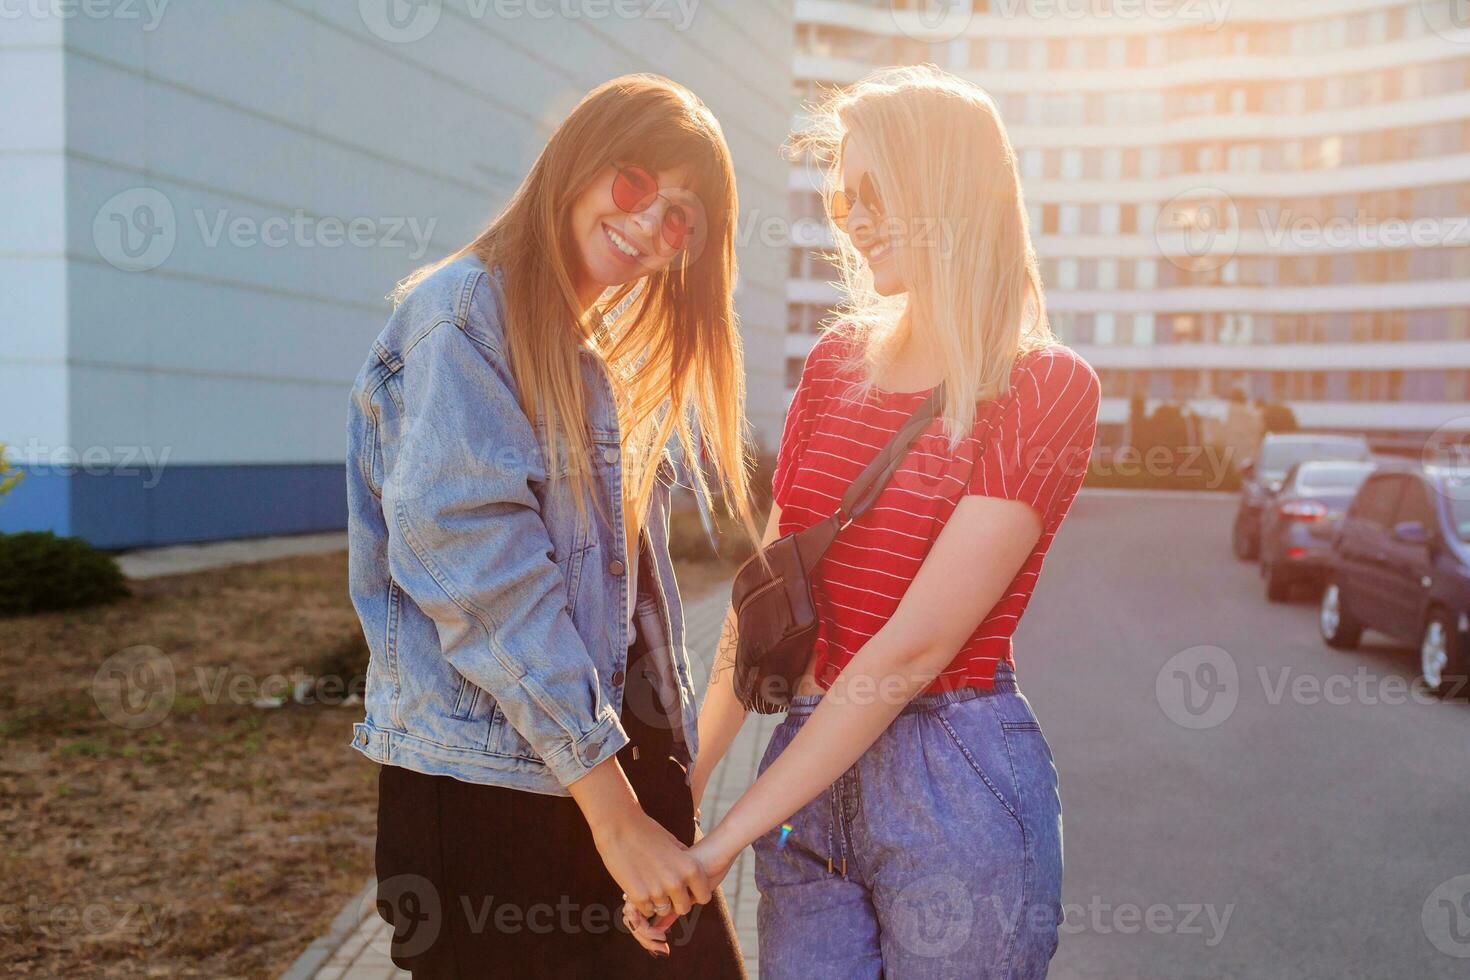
column 1038, row 436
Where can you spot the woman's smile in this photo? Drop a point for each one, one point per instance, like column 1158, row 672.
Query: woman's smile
column 621, row 246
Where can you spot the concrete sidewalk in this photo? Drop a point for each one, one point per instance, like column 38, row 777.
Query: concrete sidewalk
column 183, row 558
column 356, row 948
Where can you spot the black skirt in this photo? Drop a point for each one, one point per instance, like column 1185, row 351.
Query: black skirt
column 483, row 881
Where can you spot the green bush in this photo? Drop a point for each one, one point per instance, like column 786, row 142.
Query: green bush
column 40, row 572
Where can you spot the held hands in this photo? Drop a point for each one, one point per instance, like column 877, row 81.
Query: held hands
column 651, row 930
column 657, row 873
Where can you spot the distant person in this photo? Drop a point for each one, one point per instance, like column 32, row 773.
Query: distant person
column 909, row 770
column 1277, row 417
column 1238, row 435
column 528, row 693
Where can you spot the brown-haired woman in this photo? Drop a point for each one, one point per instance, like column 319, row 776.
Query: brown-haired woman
column 528, row 693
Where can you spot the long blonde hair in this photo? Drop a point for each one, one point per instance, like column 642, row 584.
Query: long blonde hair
column 947, row 175
column 670, row 341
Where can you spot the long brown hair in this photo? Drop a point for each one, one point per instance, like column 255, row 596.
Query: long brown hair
column 671, row 341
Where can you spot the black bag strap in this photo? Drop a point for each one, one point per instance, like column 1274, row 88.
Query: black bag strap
column 864, row 491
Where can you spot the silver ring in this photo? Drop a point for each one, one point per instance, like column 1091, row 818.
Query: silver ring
column 661, row 909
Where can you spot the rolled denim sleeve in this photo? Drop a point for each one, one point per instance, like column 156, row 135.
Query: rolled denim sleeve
column 467, row 541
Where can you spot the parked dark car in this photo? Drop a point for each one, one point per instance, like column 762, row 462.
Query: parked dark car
column 1401, row 565
column 1298, row 524
column 1260, row 478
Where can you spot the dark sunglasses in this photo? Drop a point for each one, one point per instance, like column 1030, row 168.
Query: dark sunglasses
column 635, row 189
column 843, row 200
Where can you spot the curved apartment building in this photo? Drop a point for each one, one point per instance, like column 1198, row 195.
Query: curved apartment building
column 1270, row 197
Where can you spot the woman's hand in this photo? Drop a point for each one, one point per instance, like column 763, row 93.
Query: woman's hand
column 657, row 873
column 652, row 932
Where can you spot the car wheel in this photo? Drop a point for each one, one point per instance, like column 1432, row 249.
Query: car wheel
column 1278, row 583
column 1442, row 665
column 1340, row 629
column 1243, row 543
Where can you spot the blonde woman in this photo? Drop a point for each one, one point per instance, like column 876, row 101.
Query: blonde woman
column 528, row 694
column 906, row 820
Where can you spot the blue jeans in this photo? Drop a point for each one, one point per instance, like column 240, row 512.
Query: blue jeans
column 939, row 854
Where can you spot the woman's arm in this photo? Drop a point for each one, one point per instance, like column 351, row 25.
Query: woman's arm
column 722, row 714
column 953, row 592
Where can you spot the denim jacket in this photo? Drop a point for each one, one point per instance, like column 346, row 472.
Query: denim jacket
column 494, row 613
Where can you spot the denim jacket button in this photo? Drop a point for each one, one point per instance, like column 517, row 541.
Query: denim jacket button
column 617, row 678
column 594, row 748
column 615, row 567
column 362, row 739
column 610, row 455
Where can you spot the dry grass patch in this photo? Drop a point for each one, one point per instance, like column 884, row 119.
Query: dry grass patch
column 203, row 836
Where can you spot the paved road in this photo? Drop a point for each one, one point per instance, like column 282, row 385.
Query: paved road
column 1321, row 812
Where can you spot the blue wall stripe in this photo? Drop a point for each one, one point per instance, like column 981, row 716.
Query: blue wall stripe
column 188, row 503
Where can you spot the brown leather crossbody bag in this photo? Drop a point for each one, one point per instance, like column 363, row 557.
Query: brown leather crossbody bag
column 776, row 619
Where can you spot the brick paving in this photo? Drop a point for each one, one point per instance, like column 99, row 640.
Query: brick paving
column 357, row 948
